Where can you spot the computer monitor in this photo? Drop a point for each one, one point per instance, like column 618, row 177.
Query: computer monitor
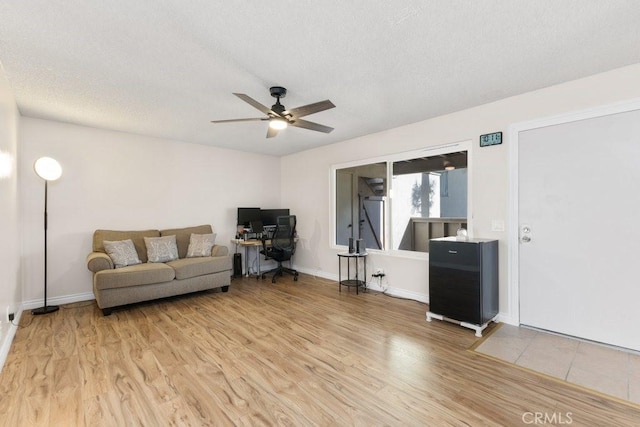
column 269, row 216
column 256, row 226
column 246, row 215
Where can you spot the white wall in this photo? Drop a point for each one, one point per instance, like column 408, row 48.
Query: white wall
column 10, row 292
column 123, row 181
column 488, row 173
column 115, row 180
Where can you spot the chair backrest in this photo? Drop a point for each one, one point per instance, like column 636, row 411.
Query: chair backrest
column 283, row 237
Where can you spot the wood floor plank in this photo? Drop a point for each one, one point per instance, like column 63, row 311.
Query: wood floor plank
column 207, row 407
column 289, row 353
column 66, row 398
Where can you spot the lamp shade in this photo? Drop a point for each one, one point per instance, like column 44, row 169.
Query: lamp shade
column 47, row 168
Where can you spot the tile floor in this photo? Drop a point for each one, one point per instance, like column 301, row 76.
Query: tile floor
column 608, row 370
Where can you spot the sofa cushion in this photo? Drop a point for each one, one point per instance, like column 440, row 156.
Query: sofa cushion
column 183, row 235
column 192, row 267
column 161, row 249
column 200, row 245
column 137, row 237
column 121, row 252
column 134, row 275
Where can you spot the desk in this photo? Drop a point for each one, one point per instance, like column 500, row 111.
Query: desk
column 255, row 244
column 249, row 244
column 352, row 282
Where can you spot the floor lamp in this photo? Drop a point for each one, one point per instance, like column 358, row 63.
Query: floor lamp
column 49, row 170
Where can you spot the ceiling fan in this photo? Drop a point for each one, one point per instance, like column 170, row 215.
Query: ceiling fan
column 279, row 117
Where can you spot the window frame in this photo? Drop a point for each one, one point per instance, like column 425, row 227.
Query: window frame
column 389, row 159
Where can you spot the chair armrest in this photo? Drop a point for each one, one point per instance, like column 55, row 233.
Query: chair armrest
column 97, row 261
column 265, row 248
column 219, row 250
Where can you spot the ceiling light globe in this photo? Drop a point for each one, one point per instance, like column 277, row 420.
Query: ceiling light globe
column 47, row 168
column 449, row 168
column 277, row 124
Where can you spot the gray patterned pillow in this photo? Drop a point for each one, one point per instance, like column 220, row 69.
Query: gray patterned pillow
column 200, row 245
column 121, row 252
column 161, row 249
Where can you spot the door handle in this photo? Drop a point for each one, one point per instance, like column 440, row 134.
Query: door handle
column 525, row 233
column 452, row 252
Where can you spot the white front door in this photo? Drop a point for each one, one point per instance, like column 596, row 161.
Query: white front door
column 579, row 223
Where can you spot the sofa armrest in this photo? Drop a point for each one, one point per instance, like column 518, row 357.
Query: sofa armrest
column 97, row 261
column 219, row 250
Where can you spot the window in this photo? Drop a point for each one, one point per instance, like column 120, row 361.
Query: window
column 429, row 189
column 361, row 193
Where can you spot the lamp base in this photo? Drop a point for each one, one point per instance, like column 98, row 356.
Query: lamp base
column 45, row 310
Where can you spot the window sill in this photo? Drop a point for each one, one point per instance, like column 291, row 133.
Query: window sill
column 392, row 253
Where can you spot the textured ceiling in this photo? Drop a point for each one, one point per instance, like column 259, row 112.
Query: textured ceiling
column 166, row 67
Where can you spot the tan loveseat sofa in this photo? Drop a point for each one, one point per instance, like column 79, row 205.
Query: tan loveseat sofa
column 113, row 287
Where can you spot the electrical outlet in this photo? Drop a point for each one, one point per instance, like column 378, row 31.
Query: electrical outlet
column 379, row 273
column 11, row 317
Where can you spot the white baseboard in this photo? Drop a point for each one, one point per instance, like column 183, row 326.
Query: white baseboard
column 7, row 338
column 66, row 299
column 396, row 292
column 317, row 273
column 400, row 293
column 509, row 320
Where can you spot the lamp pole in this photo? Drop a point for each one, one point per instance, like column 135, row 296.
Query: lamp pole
column 48, row 169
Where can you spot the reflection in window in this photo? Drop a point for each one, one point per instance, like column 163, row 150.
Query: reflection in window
column 360, row 204
column 429, row 201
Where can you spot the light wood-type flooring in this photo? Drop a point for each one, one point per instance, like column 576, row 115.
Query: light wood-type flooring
column 290, row 353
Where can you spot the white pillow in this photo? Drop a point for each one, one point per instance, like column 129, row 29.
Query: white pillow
column 200, row 245
column 161, row 249
column 121, row 252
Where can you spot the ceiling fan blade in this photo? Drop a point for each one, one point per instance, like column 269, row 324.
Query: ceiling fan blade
column 249, row 100
column 271, row 132
column 316, row 107
column 310, row 125
column 240, row 120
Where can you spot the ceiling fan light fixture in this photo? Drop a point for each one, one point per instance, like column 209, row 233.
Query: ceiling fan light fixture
column 277, row 124
column 279, row 117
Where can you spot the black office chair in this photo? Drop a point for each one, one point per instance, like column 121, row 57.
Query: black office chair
column 282, row 246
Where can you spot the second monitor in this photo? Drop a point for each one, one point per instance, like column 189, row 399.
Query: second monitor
column 269, row 216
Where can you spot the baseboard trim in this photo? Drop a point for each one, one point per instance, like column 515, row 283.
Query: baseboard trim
column 67, row 299
column 7, row 339
column 396, row 292
column 400, row 293
column 506, row 318
column 317, row 273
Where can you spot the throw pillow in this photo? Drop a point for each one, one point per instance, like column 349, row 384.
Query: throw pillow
column 121, row 252
column 200, row 245
column 161, row 249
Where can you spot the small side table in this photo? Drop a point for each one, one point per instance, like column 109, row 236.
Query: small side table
column 349, row 281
